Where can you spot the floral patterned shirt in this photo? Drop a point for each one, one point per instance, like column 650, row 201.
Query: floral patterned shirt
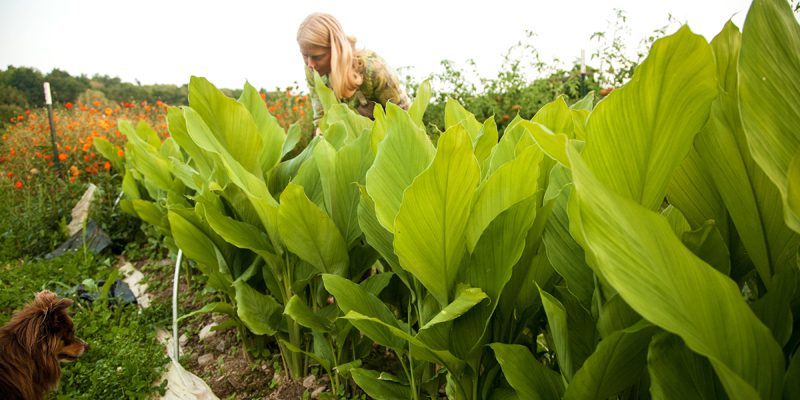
column 380, row 85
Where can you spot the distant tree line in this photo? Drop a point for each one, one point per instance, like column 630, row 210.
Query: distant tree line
column 22, row 88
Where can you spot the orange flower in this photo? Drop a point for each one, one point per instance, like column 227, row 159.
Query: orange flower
column 10, row 174
column 68, row 105
column 62, row 157
column 107, row 166
column 121, row 154
column 18, row 185
column 96, row 103
column 108, row 111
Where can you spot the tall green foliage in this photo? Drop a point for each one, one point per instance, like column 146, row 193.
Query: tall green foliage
column 643, row 246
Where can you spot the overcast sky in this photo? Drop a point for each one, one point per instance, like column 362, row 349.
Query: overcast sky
column 231, row 41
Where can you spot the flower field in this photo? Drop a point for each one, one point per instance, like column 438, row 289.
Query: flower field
column 26, row 150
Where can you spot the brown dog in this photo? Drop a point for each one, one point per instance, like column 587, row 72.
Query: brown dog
column 33, row 343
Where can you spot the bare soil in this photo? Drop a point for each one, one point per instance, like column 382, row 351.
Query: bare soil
column 220, row 359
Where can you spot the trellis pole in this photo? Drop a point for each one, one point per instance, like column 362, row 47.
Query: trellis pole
column 583, row 73
column 48, row 100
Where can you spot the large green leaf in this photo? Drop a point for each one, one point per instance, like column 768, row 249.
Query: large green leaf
column 151, row 213
column 640, row 133
column 293, row 136
column 455, row 114
column 259, row 312
column 555, row 119
column 693, row 191
column 515, row 136
column 486, row 143
column 303, row 315
column 326, row 95
column 769, row 94
column 617, row 363
column 752, row 200
column 109, row 152
column 272, row 135
column 417, row 109
column 678, row 373
column 506, row 186
column 571, row 329
column 465, row 300
column 200, row 248
column 553, row 144
column 351, row 297
column 352, row 162
column 529, row 378
column 615, row 315
column 417, row 347
column 310, row 233
column 564, row 253
column 251, row 184
column 379, row 237
column 429, row 232
column 402, row 155
column 177, row 130
column 146, row 158
column 791, row 386
column 229, row 121
column 774, row 308
column 377, row 388
column 235, row 232
column 672, row 288
column 490, row 267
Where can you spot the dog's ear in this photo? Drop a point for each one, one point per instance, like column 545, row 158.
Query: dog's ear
column 45, row 297
column 61, row 304
column 55, row 318
column 47, row 300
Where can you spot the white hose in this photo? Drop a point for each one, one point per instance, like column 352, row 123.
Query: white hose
column 175, row 305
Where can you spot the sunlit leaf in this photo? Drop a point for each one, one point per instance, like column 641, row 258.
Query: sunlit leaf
column 769, row 93
column 431, row 222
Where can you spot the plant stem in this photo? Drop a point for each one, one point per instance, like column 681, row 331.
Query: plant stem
column 409, row 373
column 411, row 377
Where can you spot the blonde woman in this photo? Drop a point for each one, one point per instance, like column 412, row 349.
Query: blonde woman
column 358, row 78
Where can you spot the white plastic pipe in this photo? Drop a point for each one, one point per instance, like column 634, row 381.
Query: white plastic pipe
column 175, row 305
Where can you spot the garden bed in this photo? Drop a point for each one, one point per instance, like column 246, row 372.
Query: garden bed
column 219, row 357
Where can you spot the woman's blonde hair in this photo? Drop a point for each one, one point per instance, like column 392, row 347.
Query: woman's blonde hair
column 323, row 30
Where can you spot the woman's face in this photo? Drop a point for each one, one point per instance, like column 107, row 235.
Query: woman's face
column 317, row 58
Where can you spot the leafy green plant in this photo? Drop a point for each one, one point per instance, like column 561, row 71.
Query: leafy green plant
column 669, row 297
column 621, row 249
column 219, row 189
